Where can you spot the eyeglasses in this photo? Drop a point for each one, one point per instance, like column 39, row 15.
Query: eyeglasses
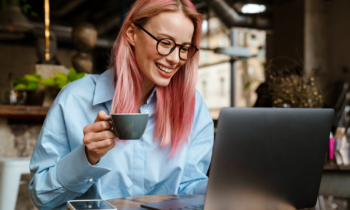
column 165, row 46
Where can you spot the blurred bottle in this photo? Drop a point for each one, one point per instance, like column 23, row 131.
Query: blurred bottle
column 331, row 148
column 342, row 147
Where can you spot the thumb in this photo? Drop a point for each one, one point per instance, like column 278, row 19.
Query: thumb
column 101, row 116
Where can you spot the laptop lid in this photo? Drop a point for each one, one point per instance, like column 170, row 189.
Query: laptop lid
column 278, row 153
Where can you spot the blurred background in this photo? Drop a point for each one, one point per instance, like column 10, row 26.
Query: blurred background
column 253, row 53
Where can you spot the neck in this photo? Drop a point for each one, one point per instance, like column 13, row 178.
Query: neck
column 146, row 90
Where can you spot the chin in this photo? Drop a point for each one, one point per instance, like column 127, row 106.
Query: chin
column 162, row 82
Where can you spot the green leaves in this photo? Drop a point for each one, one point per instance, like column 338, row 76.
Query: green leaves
column 18, row 80
column 25, row 7
column 62, row 79
column 32, row 82
column 20, row 87
column 80, row 75
column 27, row 82
column 32, row 78
column 33, row 86
column 73, row 75
column 247, row 85
column 48, row 82
column 34, row 14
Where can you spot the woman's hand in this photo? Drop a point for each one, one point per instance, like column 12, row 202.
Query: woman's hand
column 97, row 140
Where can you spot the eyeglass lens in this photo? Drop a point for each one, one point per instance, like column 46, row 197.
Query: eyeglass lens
column 166, row 46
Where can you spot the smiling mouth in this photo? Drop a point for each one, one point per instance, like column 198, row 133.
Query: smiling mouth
column 163, row 68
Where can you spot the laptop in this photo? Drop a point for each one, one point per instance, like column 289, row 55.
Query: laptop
column 277, row 153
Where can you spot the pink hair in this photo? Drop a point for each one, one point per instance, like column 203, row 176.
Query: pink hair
column 176, row 102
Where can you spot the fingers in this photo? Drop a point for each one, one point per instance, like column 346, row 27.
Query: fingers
column 97, row 127
column 99, row 124
column 101, row 116
column 111, row 146
column 98, row 141
column 100, row 136
column 101, row 147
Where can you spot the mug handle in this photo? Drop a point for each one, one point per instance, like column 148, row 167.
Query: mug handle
column 109, row 120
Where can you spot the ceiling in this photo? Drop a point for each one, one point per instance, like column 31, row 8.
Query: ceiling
column 105, row 15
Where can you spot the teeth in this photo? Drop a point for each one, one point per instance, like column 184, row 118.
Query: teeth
column 163, row 68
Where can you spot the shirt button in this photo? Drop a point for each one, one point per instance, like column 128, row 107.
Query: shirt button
column 146, row 111
column 90, row 180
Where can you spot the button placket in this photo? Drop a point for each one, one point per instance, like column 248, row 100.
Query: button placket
column 144, row 109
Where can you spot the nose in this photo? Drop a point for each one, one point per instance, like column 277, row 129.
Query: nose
column 173, row 57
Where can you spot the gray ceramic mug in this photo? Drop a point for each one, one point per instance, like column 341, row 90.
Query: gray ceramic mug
column 129, row 126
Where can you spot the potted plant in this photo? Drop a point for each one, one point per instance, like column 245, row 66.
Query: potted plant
column 290, row 86
column 55, row 84
column 30, row 83
column 33, row 84
column 61, row 79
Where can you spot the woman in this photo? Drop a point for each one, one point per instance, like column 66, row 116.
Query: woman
column 155, row 70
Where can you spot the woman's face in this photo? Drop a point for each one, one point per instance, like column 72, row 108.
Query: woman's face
column 172, row 25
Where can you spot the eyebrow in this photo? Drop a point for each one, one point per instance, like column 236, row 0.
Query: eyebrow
column 167, row 35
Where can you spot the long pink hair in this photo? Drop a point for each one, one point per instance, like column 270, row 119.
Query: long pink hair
column 176, row 102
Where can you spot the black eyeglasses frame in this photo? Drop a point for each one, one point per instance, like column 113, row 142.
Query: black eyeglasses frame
column 172, row 50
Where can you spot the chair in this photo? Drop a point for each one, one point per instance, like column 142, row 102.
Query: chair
column 11, row 170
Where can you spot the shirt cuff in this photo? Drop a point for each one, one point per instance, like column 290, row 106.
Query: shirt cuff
column 75, row 173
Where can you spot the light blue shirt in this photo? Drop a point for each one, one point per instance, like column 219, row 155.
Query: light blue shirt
column 60, row 170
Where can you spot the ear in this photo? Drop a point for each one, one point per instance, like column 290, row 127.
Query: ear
column 131, row 34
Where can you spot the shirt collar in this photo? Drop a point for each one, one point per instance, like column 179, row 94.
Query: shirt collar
column 104, row 89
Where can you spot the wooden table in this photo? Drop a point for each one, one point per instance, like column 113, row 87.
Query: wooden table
column 134, row 203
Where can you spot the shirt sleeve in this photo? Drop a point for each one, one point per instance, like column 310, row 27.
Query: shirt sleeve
column 59, row 173
column 195, row 180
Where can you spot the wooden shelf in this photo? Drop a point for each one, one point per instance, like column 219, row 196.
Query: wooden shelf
column 335, row 167
column 23, row 112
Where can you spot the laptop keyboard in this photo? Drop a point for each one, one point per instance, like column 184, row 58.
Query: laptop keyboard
column 198, row 207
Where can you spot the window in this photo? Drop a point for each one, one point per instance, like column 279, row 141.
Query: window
column 254, row 40
column 204, row 54
column 204, row 88
column 223, row 42
column 204, row 26
column 251, row 71
column 222, row 86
